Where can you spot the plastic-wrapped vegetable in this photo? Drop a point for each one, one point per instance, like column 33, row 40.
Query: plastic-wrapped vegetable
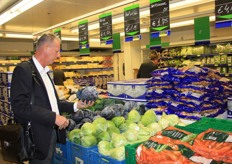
column 71, row 125
column 78, row 116
column 108, row 113
column 88, row 93
column 88, row 114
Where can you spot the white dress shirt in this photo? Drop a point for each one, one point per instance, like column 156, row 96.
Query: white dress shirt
column 49, row 86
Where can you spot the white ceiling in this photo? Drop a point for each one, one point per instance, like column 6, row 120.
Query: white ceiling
column 52, row 12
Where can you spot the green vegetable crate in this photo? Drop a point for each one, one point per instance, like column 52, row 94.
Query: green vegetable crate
column 206, row 123
column 98, row 158
column 196, row 127
column 80, row 154
column 130, row 151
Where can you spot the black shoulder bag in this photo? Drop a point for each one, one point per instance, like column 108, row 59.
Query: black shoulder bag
column 17, row 140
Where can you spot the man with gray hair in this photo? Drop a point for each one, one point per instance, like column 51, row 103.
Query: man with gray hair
column 31, row 80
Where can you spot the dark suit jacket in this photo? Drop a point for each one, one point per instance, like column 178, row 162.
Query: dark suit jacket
column 40, row 113
column 146, row 69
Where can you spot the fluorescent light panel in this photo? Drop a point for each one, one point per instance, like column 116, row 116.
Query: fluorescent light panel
column 17, row 9
column 18, row 36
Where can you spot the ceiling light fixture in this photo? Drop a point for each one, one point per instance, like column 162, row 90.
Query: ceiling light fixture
column 23, row 36
column 17, row 9
column 69, row 38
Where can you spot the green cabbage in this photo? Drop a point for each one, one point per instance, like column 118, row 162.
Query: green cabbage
column 112, row 130
column 134, row 126
column 100, row 124
column 88, row 141
column 131, row 135
column 75, row 136
column 181, row 124
column 148, row 117
column 134, row 116
column 118, row 140
column 144, row 131
column 164, row 123
column 104, row 147
column 118, row 120
column 125, row 126
column 103, row 136
column 173, row 119
column 110, row 123
column 154, row 128
column 143, row 138
column 88, row 129
column 118, row 153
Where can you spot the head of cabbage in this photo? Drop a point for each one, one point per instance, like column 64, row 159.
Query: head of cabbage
column 134, row 116
column 88, row 141
column 118, row 120
column 118, row 140
column 88, row 129
column 104, row 147
column 100, row 124
column 118, row 153
column 148, row 117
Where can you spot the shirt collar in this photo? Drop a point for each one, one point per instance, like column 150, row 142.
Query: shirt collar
column 40, row 67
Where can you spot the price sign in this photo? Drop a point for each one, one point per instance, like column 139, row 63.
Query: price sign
column 83, row 34
column 223, row 12
column 159, row 15
column 105, row 22
column 132, row 21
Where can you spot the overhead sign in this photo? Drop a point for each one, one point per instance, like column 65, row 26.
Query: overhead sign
column 83, row 34
column 105, row 22
column 132, row 23
column 202, row 30
column 223, row 13
column 57, row 32
column 159, row 18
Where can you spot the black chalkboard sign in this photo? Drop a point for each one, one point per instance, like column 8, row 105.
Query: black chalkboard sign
column 83, row 34
column 159, row 15
column 131, row 21
column 223, row 10
column 105, row 22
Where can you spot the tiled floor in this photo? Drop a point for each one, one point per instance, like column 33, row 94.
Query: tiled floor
column 1, row 160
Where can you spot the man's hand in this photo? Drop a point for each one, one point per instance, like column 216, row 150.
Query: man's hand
column 83, row 104
column 61, row 122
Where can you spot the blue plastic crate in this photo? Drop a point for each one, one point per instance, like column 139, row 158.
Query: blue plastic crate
column 57, row 159
column 62, row 154
column 81, row 155
column 98, row 158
